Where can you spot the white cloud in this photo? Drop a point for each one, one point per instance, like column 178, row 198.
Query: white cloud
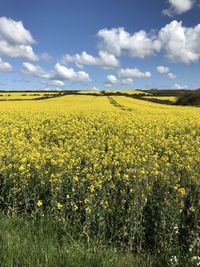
column 15, row 40
column 17, row 51
column 127, row 81
column 34, row 70
column 79, row 60
column 56, row 76
column 63, row 73
column 5, row 66
column 165, row 70
column 133, row 73
column 162, row 69
column 171, row 76
column 181, row 44
column 178, row 86
column 112, row 80
column 105, row 60
column 14, row 32
column 178, row 7
column 139, row 44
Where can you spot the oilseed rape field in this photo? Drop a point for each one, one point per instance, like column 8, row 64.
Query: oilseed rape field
column 119, row 169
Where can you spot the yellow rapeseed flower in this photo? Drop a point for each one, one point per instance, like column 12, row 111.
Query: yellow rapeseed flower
column 88, row 210
column 59, row 205
column 182, row 191
column 39, row 203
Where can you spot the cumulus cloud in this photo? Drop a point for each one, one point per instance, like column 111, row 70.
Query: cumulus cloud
column 166, row 70
column 127, row 81
column 133, row 73
column 5, row 66
column 17, row 51
column 178, row 7
column 63, row 73
column 139, row 44
column 178, row 86
column 56, row 76
column 15, row 40
column 112, row 80
column 105, row 60
column 162, row 69
column 34, row 70
column 179, row 43
column 171, row 76
column 14, row 32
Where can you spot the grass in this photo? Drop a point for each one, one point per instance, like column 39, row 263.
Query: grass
column 40, row 242
column 32, row 243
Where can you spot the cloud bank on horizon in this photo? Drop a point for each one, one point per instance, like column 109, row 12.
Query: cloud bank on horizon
column 177, row 43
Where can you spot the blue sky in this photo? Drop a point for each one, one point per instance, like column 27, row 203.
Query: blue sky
column 121, row 44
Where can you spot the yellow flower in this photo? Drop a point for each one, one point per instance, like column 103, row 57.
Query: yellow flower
column 21, row 168
column 192, row 209
column 75, row 178
column 182, row 191
column 88, row 210
column 59, row 205
column 91, row 188
column 39, row 203
column 74, row 206
column 126, row 177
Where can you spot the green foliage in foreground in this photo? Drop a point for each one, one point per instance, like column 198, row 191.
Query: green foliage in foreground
column 40, row 242
column 35, row 243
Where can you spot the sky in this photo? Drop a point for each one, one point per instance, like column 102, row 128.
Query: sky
column 92, row 44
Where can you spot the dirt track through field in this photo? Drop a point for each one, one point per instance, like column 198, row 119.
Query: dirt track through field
column 117, row 105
